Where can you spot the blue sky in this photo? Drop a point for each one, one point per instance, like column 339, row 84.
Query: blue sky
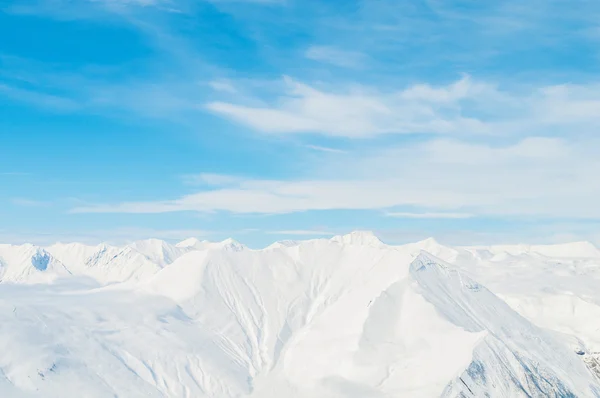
column 473, row 122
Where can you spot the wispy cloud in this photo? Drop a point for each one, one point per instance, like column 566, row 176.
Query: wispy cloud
column 211, row 179
column 325, row 149
column 361, row 113
column 464, row 107
column 128, row 234
column 430, row 215
column 336, row 56
column 38, row 98
column 117, row 236
column 113, row 90
column 80, row 93
column 84, row 9
column 301, row 232
column 305, row 105
column 443, row 176
column 223, row 86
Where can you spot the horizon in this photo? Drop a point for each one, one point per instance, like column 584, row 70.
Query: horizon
column 177, row 242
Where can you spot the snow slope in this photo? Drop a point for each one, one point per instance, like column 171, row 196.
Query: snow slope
column 516, row 358
column 343, row 317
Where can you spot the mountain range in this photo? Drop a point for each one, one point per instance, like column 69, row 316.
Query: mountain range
column 348, row 316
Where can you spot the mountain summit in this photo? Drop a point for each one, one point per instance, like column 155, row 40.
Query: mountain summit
column 365, row 238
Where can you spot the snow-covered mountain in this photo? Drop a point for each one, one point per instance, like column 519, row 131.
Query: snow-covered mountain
column 29, row 263
column 343, row 317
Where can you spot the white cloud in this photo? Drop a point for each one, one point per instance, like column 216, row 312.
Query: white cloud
column 213, row 179
column 568, row 103
column 542, row 177
column 429, row 215
column 115, row 236
column 335, row 56
column 325, row 149
column 223, row 85
column 361, row 112
column 461, row 89
column 465, row 107
column 301, row 232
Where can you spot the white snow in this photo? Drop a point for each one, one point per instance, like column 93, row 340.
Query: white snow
column 325, row 318
column 195, row 244
column 157, row 251
column 192, row 243
column 366, row 238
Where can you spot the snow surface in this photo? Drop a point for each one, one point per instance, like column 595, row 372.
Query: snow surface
column 343, row 317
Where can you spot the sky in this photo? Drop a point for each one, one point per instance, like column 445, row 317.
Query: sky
column 471, row 122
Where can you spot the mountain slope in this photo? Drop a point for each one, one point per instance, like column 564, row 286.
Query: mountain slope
column 516, row 358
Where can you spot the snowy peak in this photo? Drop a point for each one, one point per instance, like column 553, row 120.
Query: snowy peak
column 283, row 244
column 231, row 244
column 359, row 238
column 193, row 243
column 196, row 244
column 73, row 255
column 430, row 245
column 28, row 263
column 157, row 251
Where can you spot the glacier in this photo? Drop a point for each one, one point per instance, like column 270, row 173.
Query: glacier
column 348, row 316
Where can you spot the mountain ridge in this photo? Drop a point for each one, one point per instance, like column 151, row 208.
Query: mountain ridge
column 95, row 261
column 343, row 317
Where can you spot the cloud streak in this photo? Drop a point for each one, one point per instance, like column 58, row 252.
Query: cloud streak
column 324, row 149
column 118, row 236
column 431, row 215
column 535, row 177
column 301, row 232
column 335, row 56
column 360, row 113
column 466, row 107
